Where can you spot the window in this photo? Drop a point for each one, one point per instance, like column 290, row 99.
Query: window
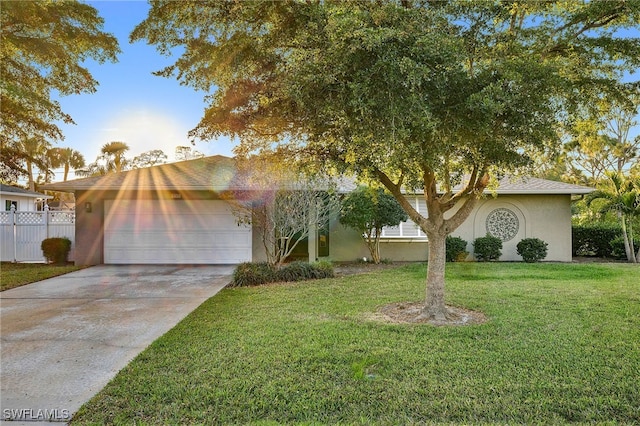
column 9, row 203
column 408, row 229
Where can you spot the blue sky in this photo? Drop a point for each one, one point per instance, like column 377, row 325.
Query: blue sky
column 131, row 104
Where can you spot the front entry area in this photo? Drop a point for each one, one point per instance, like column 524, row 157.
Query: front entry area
column 168, row 231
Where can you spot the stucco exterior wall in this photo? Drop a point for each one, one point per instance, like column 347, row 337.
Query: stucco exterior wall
column 547, row 217
column 346, row 245
column 89, row 228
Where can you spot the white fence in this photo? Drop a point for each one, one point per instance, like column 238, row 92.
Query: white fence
column 23, row 232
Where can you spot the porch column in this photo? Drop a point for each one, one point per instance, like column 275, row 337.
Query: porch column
column 313, row 234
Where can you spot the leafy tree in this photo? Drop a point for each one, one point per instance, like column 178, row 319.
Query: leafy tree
column 438, row 96
column 603, row 142
column 183, row 153
column 149, row 158
column 622, row 196
column 368, row 210
column 44, row 45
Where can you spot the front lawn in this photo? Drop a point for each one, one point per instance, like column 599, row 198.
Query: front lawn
column 16, row 274
column 562, row 344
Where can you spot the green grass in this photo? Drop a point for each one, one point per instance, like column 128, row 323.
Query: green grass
column 562, row 344
column 17, row 274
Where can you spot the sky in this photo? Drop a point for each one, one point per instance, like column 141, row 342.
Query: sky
column 131, row 105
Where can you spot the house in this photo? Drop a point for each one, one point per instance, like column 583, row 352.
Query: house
column 175, row 213
column 21, row 199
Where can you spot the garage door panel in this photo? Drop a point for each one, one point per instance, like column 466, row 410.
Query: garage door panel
column 174, row 231
column 185, row 239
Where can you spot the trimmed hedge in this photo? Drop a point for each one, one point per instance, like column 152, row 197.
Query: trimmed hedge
column 594, row 240
column 251, row 274
column 487, row 248
column 456, row 249
column 56, row 250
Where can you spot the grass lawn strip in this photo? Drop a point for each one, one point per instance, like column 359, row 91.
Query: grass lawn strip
column 17, row 274
column 562, row 344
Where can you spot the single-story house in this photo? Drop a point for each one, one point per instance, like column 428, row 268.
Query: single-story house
column 21, row 199
column 175, row 213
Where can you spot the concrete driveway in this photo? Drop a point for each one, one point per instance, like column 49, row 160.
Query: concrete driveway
column 64, row 338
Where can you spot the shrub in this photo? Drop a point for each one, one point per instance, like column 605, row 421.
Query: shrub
column 487, row 248
column 56, row 250
column 532, row 249
column 249, row 274
column 617, row 247
column 594, row 240
column 323, row 269
column 456, row 249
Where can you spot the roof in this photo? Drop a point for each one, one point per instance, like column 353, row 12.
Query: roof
column 219, row 173
column 215, row 173
column 531, row 185
column 14, row 190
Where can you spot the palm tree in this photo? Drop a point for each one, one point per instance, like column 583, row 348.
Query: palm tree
column 110, row 160
column 113, row 153
column 34, row 150
column 621, row 195
column 67, row 158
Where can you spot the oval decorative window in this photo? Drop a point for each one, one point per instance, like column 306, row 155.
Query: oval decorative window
column 503, row 223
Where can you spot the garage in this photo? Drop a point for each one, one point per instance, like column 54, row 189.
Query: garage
column 139, row 231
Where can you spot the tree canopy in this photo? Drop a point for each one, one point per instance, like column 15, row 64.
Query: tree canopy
column 43, row 47
column 433, row 96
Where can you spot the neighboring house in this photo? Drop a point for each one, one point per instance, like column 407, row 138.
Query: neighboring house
column 22, row 199
column 175, row 213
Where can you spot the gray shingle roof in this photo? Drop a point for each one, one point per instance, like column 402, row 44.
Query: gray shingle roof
column 214, row 173
column 8, row 189
column 219, row 173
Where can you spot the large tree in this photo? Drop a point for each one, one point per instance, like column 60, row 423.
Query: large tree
column 42, row 51
column 428, row 95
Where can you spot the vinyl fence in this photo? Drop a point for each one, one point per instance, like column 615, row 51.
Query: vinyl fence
column 23, row 232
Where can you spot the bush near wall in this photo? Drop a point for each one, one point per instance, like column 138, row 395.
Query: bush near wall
column 594, row 240
column 456, row 249
column 56, row 250
column 532, row 249
column 250, row 274
column 487, row 248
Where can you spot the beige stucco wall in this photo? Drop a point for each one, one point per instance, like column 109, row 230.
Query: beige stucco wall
column 347, row 245
column 547, row 217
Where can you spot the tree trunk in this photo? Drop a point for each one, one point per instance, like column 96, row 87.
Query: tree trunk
column 32, row 185
column 627, row 247
column 435, row 307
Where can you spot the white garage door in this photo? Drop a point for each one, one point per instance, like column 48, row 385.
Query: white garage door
column 173, row 232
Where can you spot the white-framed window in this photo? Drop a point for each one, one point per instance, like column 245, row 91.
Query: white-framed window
column 408, row 229
column 9, row 203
